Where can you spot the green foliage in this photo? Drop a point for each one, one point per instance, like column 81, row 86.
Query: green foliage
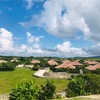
column 36, row 67
column 77, row 86
column 70, row 93
column 43, row 63
column 24, row 91
column 97, row 71
column 93, row 83
column 83, row 85
column 47, row 91
column 7, row 66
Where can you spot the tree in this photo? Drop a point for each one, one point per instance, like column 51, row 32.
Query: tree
column 47, row 91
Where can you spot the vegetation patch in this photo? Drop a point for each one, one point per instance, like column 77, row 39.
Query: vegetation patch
column 84, row 85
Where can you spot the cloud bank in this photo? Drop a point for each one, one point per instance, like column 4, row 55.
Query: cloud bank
column 65, row 18
column 8, row 47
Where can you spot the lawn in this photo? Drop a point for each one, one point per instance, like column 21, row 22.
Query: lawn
column 9, row 79
column 79, row 99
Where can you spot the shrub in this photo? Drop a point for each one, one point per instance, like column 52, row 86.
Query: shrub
column 7, row 66
column 84, row 85
column 36, row 67
column 47, row 91
column 77, row 86
column 93, row 83
column 24, row 91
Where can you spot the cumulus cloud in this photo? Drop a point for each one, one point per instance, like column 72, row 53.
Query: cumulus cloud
column 8, row 47
column 32, row 39
column 65, row 49
column 65, row 18
column 6, row 40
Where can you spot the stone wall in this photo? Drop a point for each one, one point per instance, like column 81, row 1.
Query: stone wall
column 57, row 75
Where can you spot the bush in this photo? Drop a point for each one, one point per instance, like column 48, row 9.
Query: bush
column 7, row 66
column 24, row 91
column 93, row 83
column 84, row 85
column 47, row 91
column 77, row 86
column 36, row 67
column 70, row 93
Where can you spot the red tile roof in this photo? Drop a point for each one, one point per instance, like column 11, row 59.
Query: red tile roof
column 65, row 65
column 66, row 61
column 93, row 67
column 76, row 63
column 35, row 61
column 52, row 62
column 91, row 62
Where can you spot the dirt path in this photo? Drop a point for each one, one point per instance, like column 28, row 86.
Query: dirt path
column 92, row 97
column 4, row 97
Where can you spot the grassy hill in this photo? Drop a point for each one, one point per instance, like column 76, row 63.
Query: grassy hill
column 9, row 79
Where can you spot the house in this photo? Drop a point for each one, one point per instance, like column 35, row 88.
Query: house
column 76, row 63
column 34, row 61
column 93, row 67
column 91, row 62
column 14, row 60
column 66, row 61
column 3, row 61
column 52, row 62
column 66, row 65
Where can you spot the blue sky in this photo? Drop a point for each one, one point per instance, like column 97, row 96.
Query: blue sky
column 63, row 28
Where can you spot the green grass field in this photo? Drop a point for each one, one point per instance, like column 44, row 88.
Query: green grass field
column 79, row 99
column 9, row 79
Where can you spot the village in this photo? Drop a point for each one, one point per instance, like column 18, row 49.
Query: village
column 57, row 69
column 87, row 64
column 51, row 68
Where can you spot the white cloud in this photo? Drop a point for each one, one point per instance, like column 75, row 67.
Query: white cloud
column 65, row 49
column 8, row 47
column 6, row 40
column 64, row 18
column 32, row 39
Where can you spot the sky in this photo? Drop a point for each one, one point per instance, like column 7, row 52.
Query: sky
column 57, row 28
